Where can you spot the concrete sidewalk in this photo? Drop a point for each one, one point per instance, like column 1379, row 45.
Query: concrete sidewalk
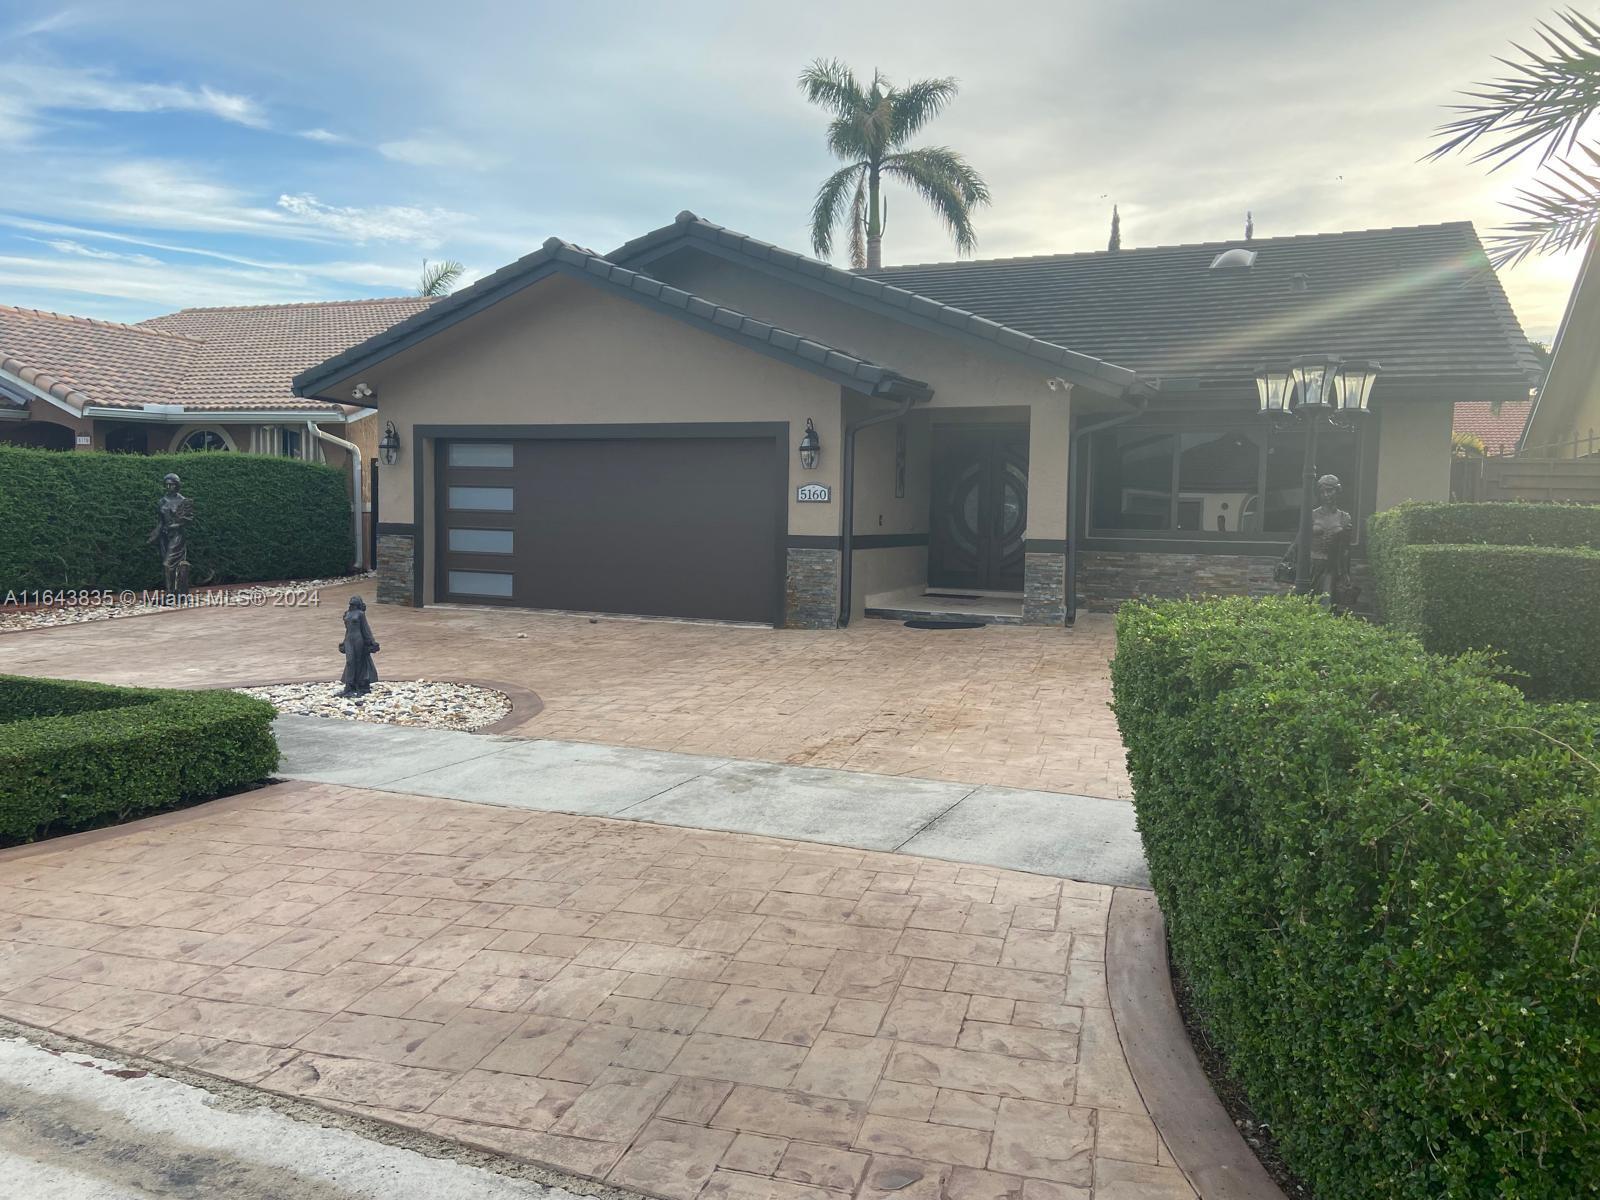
column 1050, row 833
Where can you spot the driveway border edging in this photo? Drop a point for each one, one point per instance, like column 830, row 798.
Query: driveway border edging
column 1191, row 1120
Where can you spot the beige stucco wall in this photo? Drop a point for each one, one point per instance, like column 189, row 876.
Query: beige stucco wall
column 1413, row 451
column 563, row 352
column 962, row 376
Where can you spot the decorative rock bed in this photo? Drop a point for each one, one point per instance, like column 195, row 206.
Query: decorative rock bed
column 404, row 702
column 77, row 607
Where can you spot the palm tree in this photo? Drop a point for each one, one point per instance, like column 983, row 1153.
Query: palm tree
column 1542, row 106
column 439, row 279
column 869, row 130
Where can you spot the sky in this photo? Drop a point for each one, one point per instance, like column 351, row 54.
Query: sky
column 166, row 154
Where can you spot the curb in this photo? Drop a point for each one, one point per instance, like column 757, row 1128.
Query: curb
column 1191, row 1120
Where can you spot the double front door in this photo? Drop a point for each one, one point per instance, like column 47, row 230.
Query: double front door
column 979, row 507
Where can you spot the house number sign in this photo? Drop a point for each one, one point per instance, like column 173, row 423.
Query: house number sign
column 813, row 493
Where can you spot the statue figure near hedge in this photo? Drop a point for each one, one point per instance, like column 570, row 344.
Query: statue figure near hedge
column 1332, row 531
column 173, row 512
column 358, row 647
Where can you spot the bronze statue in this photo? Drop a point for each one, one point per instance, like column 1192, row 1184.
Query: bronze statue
column 358, row 647
column 173, row 511
column 1332, row 531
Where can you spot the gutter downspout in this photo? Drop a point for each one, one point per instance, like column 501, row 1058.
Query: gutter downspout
column 1073, row 434
column 354, row 452
column 848, row 500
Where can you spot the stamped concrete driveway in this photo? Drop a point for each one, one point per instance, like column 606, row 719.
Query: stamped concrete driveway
column 1024, row 708
column 694, row 1015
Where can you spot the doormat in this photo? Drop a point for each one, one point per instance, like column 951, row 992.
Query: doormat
column 950, row 596
column 944, row 624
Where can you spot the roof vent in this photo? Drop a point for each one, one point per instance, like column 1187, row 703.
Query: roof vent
column 1299, row 282
column 1235, row 259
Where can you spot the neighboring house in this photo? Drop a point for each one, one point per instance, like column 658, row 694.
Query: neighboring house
column 1498, row 426
column 624, row 432
column 198, row 379
column 1566, row 416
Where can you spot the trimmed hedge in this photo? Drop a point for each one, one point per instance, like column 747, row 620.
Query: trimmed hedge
column 79, row 520
column 1381, row 875
column 1522, row 580
column 76, row 754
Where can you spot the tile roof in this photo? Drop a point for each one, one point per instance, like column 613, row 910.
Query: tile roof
column 557, row 255
column 205, row 359
column 1422, row 300
column 1499, row 431
column 947, row 314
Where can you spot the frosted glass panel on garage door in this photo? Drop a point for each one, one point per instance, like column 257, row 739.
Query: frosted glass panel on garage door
column 480, row 454
column 480, row 583
column 480, row 499
column 481, row 541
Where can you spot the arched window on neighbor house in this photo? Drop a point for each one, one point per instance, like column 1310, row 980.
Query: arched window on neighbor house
column 202, row 437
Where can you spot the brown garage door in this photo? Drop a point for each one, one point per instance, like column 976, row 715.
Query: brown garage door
column 666, row 526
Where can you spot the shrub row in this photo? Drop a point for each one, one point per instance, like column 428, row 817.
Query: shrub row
column 1500, row 523
column 1381, row 876
column 1537, row 607
column 77, row 754
column 79, row 520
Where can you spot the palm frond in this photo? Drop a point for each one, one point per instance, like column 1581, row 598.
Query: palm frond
column 439, row 279
column 914, row 105
column 858, row 224
column 831, row 204
column 828, row 82
column 849, row 137
column 1561, row 213
column 950, row 187
column 1545, row 100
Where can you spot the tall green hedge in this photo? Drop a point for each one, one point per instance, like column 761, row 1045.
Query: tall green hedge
column 1520, row 579
column 1381, row 876
column 74, row 754
column 79, row 520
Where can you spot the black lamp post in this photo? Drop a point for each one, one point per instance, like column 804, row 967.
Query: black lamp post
column 1315, row 389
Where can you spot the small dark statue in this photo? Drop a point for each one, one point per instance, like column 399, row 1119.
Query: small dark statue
column 358, row 647
column 173, row 512
column 1332, row 530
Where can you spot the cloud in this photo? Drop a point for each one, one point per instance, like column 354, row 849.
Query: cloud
column 28, row 90
column 78, row 249
column 431, row 152
column 387, row 223
column 323, row 135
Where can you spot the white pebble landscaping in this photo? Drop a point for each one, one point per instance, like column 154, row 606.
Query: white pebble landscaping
column 404, row 702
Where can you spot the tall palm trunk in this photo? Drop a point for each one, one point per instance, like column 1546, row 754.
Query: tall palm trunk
column 874, row 221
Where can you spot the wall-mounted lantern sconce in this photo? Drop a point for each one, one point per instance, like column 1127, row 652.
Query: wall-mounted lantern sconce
column 390, row 444
column 810, row 447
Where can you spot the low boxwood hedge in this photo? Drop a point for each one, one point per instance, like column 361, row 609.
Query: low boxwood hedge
column 79, row 520
column 77, row 754
column 1519, row 579
column 1380, row 871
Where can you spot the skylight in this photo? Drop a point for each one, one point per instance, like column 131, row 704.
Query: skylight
column 1233, row 259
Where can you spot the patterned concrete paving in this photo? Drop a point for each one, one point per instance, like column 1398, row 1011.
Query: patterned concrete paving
column 1024, row 708
column 684, row 1013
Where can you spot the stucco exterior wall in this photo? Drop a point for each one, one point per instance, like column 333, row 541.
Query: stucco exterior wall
column 961, row 376
column 1413, row 451
column 562, row 352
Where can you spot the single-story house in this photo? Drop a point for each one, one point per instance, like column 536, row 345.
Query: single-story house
column 197, row 379
column 1566, row 416
column 698, row 424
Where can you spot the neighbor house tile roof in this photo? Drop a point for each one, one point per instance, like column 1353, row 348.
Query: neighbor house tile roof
column 947, row 315
column 1421, row 300
column 205, row 359
column 557, row 256
column 1499, row 428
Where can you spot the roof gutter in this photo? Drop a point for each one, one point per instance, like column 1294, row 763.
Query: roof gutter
column 178, row 414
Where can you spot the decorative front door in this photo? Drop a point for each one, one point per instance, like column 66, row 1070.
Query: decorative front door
column 980, row 507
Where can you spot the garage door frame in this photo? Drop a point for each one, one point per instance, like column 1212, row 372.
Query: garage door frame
column 426, row 440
